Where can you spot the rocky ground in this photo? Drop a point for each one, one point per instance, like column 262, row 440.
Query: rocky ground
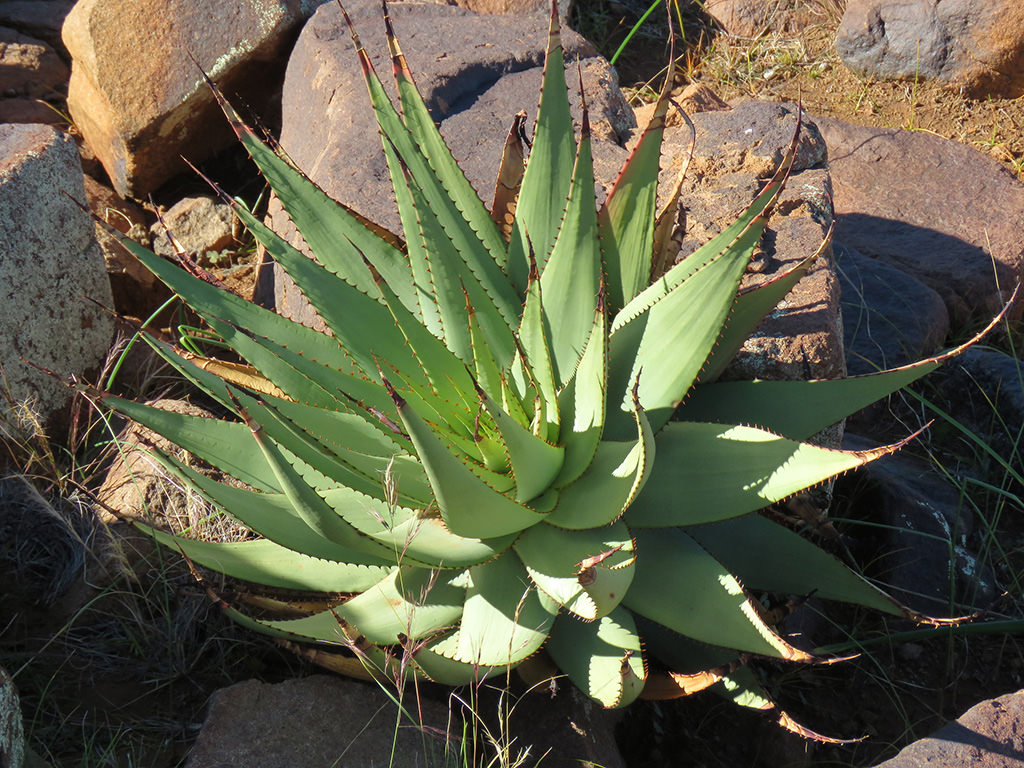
column 919, row 176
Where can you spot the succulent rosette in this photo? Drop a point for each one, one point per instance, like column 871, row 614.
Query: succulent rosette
column 511, row 440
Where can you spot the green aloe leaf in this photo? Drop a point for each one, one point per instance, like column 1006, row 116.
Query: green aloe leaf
column 459, row 493
column 729, row 471
column 424, row 131
column 603, row 658
column 274, row 516
column 588, row 572
column 582, row 402
column 226, row 445
column 452, row 218
column 571, row 279
column 713, row 608
column 628, row 215
column 503, row 621
column 535, row 463
column 532, row 370
column 749, row 312
column 454, row 285
column 611, row 482
column 263, row 562
column 769, row 557
column 546, row 181
column 687, row 321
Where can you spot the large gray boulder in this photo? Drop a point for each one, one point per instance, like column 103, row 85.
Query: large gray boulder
column 138, row 97
column 890, row 318
column 938, row 210
column 51, row 269
column 977, row 46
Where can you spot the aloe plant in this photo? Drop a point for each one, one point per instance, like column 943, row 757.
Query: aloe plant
column 511, row 441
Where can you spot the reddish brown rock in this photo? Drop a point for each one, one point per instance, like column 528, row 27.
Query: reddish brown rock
column 29, row 67
column 940, row 211
column 750, row 18
column 889, row 317
column 975, row 46
column 255, row 725
column 988, row 735
column 138, row 97
column 39, row 18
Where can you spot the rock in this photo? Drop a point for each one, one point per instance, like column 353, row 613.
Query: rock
column 736, row 151
column 515, row 7
column 697, row 97
column 945, row 214
column 978, row 47
column 12, row 733
column 751, row 18
column 889, row 318
column 984, row 391
column 201, row 224
column 925, row 551
column 50, row 268
column 490, row 70
column 988, row 735
column 136, row 291
column 137, row 95
column 257, row 725
column 19, row 110
column 29, row 67
column 39, row 18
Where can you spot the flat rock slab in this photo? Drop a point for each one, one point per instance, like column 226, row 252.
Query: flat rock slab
column 936, row 209
column 50, row 268
column 988, row 735
column 977, row 46
column 326, row 722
